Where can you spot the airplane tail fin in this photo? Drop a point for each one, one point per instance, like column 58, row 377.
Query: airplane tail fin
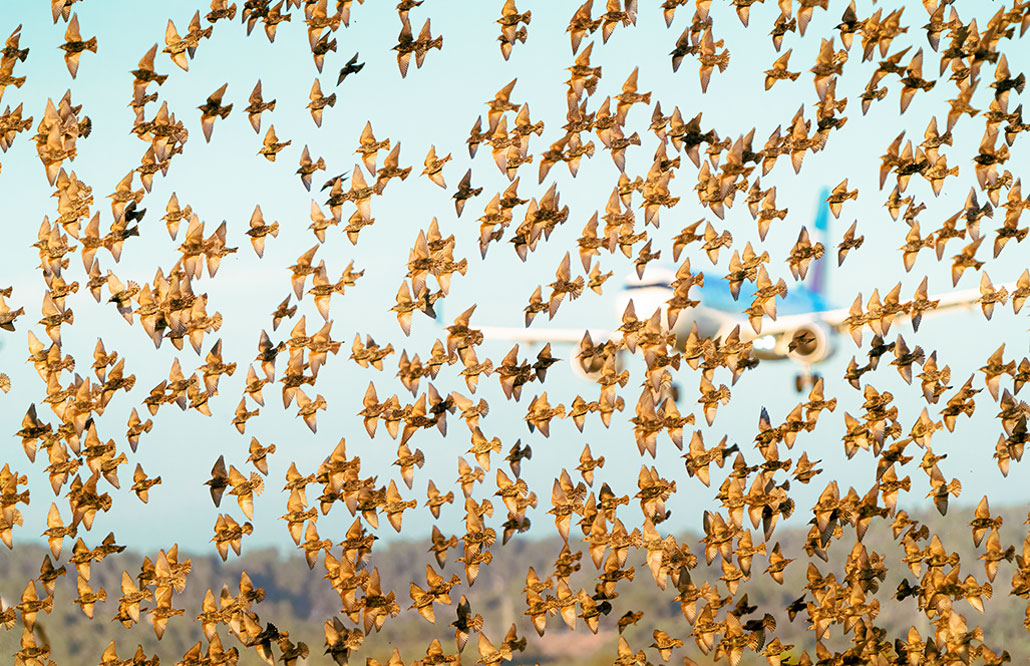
column 817, row 283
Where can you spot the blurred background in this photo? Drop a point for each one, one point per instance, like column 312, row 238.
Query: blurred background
column 436, row 106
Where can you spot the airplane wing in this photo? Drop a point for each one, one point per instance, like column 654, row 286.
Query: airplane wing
column 965, row 299
column 779, row 339
column 771, row 342
column 545, row 335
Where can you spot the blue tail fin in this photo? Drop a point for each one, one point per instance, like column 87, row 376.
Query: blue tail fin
column 817, row 281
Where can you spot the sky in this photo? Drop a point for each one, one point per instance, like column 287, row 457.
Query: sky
column 436, row 106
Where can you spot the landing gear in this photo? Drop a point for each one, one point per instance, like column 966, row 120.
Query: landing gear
column 667, row 392
column 805, row 380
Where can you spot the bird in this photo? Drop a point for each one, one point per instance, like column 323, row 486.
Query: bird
column 351, row 67
column 72, row 421
column 779, row 72
column 74, row 45
column 434, row 167
column 319, row 102
column 308, row 167
column 213, row 109
column 258, row 106
column 405, row 46
column 9, row 316
column 272, row 145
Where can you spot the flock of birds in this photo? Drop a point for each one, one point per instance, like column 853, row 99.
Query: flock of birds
column 84, row 458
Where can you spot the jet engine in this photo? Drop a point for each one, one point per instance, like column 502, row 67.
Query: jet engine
column 591, row 366
column 587, row 368
column 810, row 343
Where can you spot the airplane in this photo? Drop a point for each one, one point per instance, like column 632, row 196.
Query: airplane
column 805, row 329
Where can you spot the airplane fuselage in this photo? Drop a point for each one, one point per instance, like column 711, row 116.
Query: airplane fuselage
column 718, row 313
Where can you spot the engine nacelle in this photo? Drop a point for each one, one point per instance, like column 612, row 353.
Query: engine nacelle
column 586, row 368
column 592, row 367
column 810, row 343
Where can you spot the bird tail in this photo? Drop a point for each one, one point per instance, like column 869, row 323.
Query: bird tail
column 822, row 227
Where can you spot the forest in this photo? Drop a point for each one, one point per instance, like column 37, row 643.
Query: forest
column 299, row 601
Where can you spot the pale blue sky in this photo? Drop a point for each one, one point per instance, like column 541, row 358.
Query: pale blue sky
column 437, row 105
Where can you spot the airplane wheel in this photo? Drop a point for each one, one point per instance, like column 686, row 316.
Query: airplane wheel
column 674, row 391
column 799, row 383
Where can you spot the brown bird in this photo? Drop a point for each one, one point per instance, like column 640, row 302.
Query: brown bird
column 510, row 31
column 8, row 316
column 212, row 109
column 779, row 72
column 465, row 192
column 272, row 145
column 229, row 534
column 319, row 102
column 307, row 168
column 257, row 106
column 74, row 45
column 145, row 73
column 434, row 167
column 141, row 484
